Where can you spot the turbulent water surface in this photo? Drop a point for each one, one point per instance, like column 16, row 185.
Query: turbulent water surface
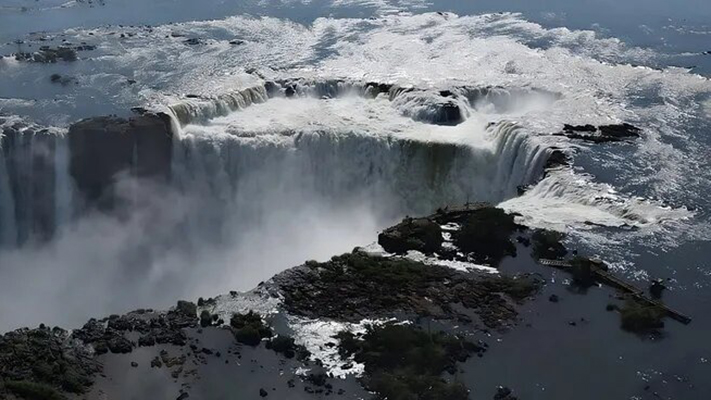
column 266, row 175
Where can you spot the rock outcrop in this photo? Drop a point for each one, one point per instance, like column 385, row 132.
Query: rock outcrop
column 601, row 134
column 396, row 301
column 44, row 360
column 354, row 286
column 419, row 234
column 101, row 148
column 48, row 55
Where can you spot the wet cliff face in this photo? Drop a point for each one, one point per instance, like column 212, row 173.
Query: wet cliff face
column 103, row 148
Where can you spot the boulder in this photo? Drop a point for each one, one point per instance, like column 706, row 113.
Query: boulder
column 373, row 89
column 187, row 308
column 449, row 113
column 205, row 319
column 557, row 159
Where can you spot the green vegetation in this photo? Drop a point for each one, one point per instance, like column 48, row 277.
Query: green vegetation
column 582, row 271
column 356, row 285
column 32, row 360
column 420, row 234
column 286, row 345
column 641, row 318
column 387, row 272
column 403, row 362
column 486, row 234
column 205, row 319
column 547, row 244
column 518, row 288
column 33, row 391
column 187, row 308
column 249, row 328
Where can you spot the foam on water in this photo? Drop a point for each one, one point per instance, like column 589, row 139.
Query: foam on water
column 425, row 50
column 566, row 200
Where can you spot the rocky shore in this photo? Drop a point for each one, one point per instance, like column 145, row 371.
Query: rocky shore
column 394, row 319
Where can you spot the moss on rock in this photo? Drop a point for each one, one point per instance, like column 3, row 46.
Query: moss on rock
column 357, row 285
column 547, row 244
column 405, row 362
column 641, row 318
column 287, row 346
column 33, row 391
column 419, row 234
column 45, row 358
column 486, row 235
column 249, row 328
column 187, row 308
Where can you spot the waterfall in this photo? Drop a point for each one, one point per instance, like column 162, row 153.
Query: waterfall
column 64, row 186
column 8, row 224
column 234, row 178
column 34, row 188
column 248, row 176
column 520, row 159
column 196, row 110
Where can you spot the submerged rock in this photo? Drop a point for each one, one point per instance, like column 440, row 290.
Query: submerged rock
column 193, row 41
column 504, row 393
column 448, row 113
column 63, row 80
column 557, row 158
column 47, row 55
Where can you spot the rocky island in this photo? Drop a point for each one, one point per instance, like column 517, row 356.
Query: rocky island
column 393, row 320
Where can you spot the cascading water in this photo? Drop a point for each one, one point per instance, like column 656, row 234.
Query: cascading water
column 35, row 188
column 245, row 171
column 201, row 110
column 8, row 225
column 242, row 172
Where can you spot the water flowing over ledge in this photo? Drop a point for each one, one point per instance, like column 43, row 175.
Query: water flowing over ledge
column 104, row 163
